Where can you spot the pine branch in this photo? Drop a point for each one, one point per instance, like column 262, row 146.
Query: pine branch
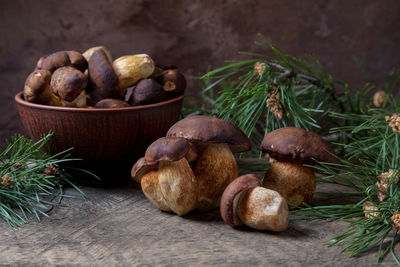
column 31, row 180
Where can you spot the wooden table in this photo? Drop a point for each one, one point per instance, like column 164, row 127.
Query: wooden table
column 119, row 226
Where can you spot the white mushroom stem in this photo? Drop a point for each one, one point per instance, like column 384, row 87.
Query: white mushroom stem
column 215, row 168
column 152, row 191
column 263, row 209
column 295, row 182
column 178, row 185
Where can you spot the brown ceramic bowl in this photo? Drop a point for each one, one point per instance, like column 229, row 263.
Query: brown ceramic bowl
column 103, row 138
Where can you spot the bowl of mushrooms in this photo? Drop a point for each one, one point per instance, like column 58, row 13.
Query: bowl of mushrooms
column 107, row 111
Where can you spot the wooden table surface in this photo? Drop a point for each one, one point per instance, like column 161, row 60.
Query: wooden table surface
column 118, row 226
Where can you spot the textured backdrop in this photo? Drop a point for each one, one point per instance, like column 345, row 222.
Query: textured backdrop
column 196, row 34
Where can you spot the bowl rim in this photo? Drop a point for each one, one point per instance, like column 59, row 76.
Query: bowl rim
column 19, row 99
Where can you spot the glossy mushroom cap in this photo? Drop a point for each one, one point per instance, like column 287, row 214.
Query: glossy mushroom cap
column 37, row 89
column 163, row 149
column 170, row 149
column 102, row 75
column 297, row 145
column 231, row 196
column 61, row 59
column 111, row 103
column 210, row 129
column 68, row 83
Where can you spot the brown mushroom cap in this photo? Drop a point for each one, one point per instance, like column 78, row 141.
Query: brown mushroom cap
column 232, row 194
column 172, row 81
column 148, row 91
column 166, row 149
column 111, row 103
column 61, row 59
column 170, row 149
column 210, row 129
column 297, row 145
column 68, row 83
column 35, row 84
column 140, row 168
column 102, row 75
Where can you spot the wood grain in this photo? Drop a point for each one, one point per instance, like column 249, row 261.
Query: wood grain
column 117, row 226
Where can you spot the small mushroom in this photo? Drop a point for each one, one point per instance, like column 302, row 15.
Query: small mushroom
column 111, row 103
column 244, row 201
column 69, row 84
column 291, row 148
column 132, row 68
column 102, row 77
column 147, row 91
column 166, row 177
column 37, row 89
column 172, row 81
column 88, row 53
column 215, row 166
column 61, row 59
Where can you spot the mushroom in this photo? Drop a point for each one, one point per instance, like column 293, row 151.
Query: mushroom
column 111, row 103
column 147, row 91
column 215, row 166
column 61, row 59
column 69, row 84
column 244, row 201
column 291, row 148
column 102, row 77
column 166, row 177
column 172, row 81
column 88, row 53
column 132, row 68
column 37, row 89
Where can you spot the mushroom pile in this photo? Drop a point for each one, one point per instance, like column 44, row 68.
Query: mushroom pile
column 292, row 150
column 93, row 79
column 191, row 167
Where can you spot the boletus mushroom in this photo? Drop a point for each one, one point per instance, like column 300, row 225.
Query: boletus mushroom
column 37, row 89
column 215, row 166
column 132, row 68
column 245, row 201
column 69, row 85
column 62, row 59
column 166, row 177
column 292, row 148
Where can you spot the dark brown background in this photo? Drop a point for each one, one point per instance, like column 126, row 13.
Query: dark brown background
column 195, row 35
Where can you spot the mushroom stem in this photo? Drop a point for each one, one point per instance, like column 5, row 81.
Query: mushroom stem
column 178, row 185
column 152, row 191
column 215, row 169
column 263, row 209
column 295, row 182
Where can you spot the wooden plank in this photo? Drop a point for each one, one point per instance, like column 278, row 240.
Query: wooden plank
column 118, row 226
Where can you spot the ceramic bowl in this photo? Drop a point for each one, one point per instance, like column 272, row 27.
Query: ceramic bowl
column 101, row 137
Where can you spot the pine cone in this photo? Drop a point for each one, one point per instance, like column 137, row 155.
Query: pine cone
column 389, row 177
column 370, row 210
column 273, row 103
column 386, row 179
column 259, row 68
column 6, row 181
column 395, row 219
column 394, row 122
column 50, row 170
column 379, row 99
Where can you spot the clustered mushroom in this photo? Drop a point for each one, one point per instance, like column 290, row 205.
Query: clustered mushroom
column 292, row 150
column 93, row 79
column 191, row 167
